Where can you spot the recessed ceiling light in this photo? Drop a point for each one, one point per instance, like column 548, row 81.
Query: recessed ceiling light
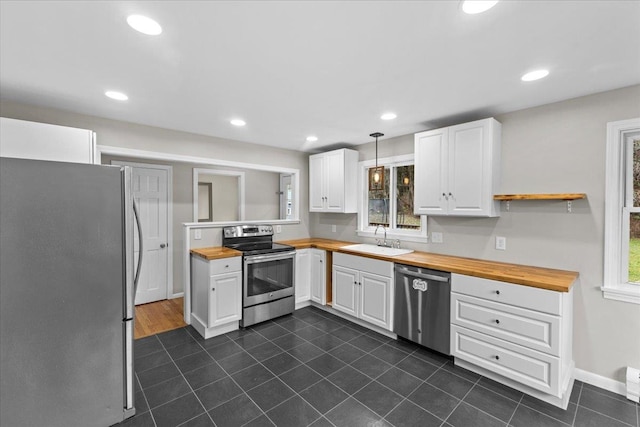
column 477, row 6
column 144, row 25
column 388, row 116
column 238, row 122
column 312, row 138
column 535, row 75
column 119, row 96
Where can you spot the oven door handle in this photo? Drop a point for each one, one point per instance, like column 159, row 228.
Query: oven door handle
column 269, row 257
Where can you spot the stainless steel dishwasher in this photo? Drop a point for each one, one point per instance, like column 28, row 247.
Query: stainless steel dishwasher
column 422, row 308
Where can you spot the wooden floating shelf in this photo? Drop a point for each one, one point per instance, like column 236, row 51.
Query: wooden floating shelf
column 554, row 196
column 568, row 197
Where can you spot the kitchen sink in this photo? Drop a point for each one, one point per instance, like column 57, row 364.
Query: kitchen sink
column 376, row 250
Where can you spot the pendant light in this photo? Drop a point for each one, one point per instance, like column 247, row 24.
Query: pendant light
column 376, row 175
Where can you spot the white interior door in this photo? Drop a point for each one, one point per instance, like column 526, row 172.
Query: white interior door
column 150, row 191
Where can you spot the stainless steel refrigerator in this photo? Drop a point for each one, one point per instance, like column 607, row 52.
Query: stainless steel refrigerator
column 67, row 291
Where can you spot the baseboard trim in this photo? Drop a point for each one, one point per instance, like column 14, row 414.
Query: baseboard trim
column 178, row 295
column 602, row 382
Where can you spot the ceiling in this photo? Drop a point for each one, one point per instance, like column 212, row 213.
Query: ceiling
column 327, row 68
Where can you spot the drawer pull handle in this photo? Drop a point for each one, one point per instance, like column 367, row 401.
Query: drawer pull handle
column 497, row 321
column 497, row 292
column 497, row 357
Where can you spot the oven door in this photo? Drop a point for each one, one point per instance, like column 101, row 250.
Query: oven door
column 268, row 277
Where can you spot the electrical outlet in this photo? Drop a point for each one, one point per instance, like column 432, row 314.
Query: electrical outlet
column 501, row 243
column 333, row 228
column 436, row 237
column 278, row 229
column 197, row 234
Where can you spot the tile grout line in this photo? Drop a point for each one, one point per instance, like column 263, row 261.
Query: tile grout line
column 577, row 405
column 515, row 409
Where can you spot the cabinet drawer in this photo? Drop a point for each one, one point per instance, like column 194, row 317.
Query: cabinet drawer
column 532, row 329
column 225, row 265
column 370, row 265
column 529, row 367
column 508, row 293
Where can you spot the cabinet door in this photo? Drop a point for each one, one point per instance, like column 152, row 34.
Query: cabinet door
column 225, row 304
column 375, row 299
column 470, row 175
column 318, row 276
column 316, row 182
column 431, row 158
column 335, row 181
column 303, row 282
column 346, row 290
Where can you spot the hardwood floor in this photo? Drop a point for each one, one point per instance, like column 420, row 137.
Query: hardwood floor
column 159, row 316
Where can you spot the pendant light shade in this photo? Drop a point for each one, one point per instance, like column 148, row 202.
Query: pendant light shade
column 376, row 175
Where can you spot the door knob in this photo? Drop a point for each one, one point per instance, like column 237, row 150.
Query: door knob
column 162, row 245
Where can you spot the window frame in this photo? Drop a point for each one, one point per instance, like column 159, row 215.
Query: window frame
column 364, row 230
column 620, row 135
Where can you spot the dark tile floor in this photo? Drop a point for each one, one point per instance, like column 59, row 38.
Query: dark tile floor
column 316, row 369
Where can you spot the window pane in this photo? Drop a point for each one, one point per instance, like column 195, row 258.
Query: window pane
column 379, row 203
column 405, row 218
column 634, row 248
column 636, row 173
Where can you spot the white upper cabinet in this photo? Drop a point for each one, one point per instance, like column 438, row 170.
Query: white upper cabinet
column 332, row 181
column 40, row 141
column 457, row 170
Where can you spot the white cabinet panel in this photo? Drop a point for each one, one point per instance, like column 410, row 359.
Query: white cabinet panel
column 375, row 296
column 216, row 295
column 332, row 181
column 363, row 288
column 536, row 370
column 41, row 141
column 318, row 276
column 457, row 170
column 303, row 276
column 520, row 296
column 525, row 327
column 523, row 334
column 346, row 290
column 225, row 300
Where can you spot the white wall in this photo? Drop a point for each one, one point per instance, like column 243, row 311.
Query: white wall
column 554, row 148
column 132, row 136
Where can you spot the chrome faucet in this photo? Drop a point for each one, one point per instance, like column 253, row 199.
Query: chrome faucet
column 383, row 242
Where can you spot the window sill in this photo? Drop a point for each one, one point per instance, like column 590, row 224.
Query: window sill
column 394, row 236
column 622, row 292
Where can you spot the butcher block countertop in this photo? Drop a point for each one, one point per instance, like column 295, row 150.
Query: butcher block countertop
column 215, row 253
column 538, row 277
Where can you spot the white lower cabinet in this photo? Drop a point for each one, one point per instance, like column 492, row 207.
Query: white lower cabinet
column 318, row 277
column 216, row 295
column 310, row 277
column 518, row 335
column 363, row 288
column 303, row 278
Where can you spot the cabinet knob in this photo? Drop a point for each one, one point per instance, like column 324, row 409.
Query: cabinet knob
column 497, row 357
column 226, row 266
column 213, row 289
column 497, row 292
column 497, row 321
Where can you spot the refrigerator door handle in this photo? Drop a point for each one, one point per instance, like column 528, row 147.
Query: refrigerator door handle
column 140, row 248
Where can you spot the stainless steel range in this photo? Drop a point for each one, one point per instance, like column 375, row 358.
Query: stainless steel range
column 268, row 276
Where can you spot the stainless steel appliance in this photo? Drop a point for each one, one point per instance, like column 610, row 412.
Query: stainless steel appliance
column 67, row 286
column 422, row 307
column 268, row 273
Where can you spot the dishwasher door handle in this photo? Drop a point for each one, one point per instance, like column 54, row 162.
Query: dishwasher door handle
column 425, row 276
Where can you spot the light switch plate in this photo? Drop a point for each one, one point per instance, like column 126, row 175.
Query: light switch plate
column 278, row 229
column 197, row 234
column 333, row 228
column 501, row 243
column 436, row 237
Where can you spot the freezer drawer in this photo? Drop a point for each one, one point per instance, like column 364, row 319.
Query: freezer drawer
column 422, row 306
